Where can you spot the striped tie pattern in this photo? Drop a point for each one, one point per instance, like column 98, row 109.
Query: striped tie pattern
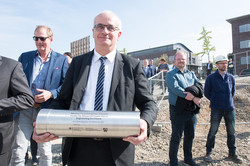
column 99, row 86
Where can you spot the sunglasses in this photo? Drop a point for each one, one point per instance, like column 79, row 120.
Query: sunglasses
column 41, row 38
column 100, row 27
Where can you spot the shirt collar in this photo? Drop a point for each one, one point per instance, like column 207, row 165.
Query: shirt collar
column 110, row 56
column 178, row 70
column 48, row 58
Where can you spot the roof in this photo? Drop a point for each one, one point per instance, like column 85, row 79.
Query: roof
column 160, row 49
column 238, row 18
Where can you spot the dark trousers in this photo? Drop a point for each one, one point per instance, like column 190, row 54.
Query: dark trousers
column 90, row 152
column 180, row 122
column 33, row 147
column 229, row 117
column 209, row 71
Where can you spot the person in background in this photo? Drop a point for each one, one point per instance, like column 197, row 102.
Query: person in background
column 152, row 66
column 45, row 70
column 181, row 119
column 153, row 69
column 220, row 90
column 163, row 66
column 69, row 56
column 209, row 67
column 231, row 66
column 15, row 95
column 147, row 70
column 123, row 88
column 33, row 149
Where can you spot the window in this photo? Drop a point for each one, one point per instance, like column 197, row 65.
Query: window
column 245, row 44
column 243, row 60
column 244, row 28
column 193, row 60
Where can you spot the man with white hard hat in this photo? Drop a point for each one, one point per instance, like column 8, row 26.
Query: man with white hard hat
column 220, row 89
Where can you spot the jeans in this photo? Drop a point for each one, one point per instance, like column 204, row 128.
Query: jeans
column 23, row 132
column 229, row 117
column 185, row 121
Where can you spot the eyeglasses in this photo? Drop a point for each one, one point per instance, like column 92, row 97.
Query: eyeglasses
column 41, row 38
column 100, row 27
column 222, row 63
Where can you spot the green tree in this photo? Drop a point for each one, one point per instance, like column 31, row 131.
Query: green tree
column 163, row 56
column 207, row 46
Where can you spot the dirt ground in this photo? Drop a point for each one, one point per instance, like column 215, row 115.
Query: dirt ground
column 154, row 152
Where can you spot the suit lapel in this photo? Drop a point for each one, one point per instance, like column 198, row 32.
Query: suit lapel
column 50, row 70
column 84, row 72
column 83, row 77
column 30, row 67
column 116, row 77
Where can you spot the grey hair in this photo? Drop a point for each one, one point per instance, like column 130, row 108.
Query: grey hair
column 115, row 16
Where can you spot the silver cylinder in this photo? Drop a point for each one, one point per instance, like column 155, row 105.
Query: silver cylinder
column 102, row 124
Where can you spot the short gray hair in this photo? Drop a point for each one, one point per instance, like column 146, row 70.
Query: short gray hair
column 115, row 16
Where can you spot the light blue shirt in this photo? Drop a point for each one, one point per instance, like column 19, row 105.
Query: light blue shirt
column 39, row 73
column 177, row 81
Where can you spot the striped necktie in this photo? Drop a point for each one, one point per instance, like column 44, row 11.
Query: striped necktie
column 99, row 86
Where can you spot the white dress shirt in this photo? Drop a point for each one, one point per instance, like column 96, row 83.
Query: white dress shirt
column 88, row 100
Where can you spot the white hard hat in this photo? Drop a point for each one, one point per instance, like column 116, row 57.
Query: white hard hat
column 220, row 58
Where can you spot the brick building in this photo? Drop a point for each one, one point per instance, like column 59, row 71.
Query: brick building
column 80, row 47
column 241, row 42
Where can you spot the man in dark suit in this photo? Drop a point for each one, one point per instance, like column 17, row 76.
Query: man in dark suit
column 209, row 67
column 147, row 70
column 45, row 70
column 153, row 69
column 125, row 86
column 152, row 66
column 15, row 95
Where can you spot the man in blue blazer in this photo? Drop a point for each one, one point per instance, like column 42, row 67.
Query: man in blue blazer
column 45, row 70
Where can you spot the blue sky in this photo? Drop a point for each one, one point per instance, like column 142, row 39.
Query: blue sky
column 145, row 23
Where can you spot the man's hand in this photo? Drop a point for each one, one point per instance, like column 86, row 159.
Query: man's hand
column 46, row 137
column 197, row 100
column 189, row 96
column 44, row 96
column 136, row 140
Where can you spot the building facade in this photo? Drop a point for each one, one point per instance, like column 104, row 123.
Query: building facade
column 241, row 42
column 193, row 62
column 80, row 47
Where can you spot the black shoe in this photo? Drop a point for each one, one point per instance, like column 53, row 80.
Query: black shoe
column 208, row 158
column 235, row 159
column 191, row 163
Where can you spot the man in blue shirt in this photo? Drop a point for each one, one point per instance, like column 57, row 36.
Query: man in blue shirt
column 181, row 120
column 220, row 89
column 45, row 71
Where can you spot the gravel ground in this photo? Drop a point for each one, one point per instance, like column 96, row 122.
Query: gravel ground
column 154, row 152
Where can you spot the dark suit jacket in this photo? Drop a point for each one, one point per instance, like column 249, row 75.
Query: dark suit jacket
column 128, row 88
column 56, row 72
column 148, row 72
column 15, row 95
